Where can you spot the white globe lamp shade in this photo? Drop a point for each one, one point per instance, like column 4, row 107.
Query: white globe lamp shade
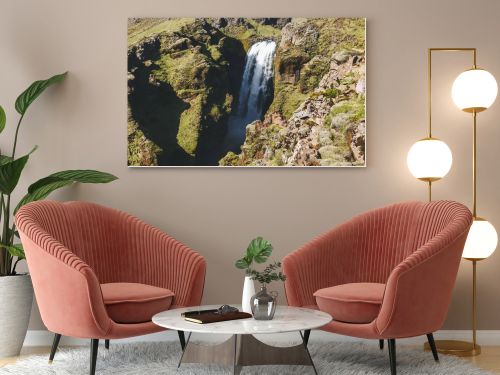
column 481, row 241
column 429, row 159
column 474, row 90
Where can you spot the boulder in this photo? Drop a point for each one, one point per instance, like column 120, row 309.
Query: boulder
column 301, row 34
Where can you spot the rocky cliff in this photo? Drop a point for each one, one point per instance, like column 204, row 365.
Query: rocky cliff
column 182, row 81
column 317, row 117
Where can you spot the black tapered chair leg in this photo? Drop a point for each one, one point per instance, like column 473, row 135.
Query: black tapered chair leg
column 432, row 344
column 392, row 355
column 182, row 339
column 106, row 344
column 381, row 344
column 307, row 333
column 55, row 344
column 94, row 346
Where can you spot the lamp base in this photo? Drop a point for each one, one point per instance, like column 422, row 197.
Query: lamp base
column 456, row 348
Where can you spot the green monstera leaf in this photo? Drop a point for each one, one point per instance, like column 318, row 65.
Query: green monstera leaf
column 242, row 263
column 31, row 93
column 259, row 250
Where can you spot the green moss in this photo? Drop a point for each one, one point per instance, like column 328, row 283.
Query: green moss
column 266, row 31
column 231, row 159
column 355, row 108
column 147, row 27
column 215, row 113
column 214, row 52
column 311, row 74
column 228, row 103
column 340, row 34
column 189, row 125
column 348, row 79
column 141, row 151
column 180, row 70
column 287, row 98
column 189, row 93
column 277, row 160
column 331, row 93
column 251, row 31
column 241, row 33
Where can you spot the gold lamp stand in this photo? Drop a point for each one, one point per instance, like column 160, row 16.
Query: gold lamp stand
column 455, row 347
column 462, row 348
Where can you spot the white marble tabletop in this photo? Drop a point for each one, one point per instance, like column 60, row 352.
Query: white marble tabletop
column 286, row 319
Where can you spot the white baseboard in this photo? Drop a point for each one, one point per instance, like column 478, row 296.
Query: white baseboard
column 484, row 337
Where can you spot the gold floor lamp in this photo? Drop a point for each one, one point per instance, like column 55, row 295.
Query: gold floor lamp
column 430, row 159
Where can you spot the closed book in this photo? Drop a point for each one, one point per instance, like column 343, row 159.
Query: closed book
column 210, row 317
column 196, row 313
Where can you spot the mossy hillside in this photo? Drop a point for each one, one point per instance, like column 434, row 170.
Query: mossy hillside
column 203, row 67
column 230, row 160
column 352, row 111
column 287, row 98
column 204, row 84
column 144, row 28
column 189, row 125
column 312, row 72
column 319, row 101
column 252, row 31
column 260, row 141
column 340, row 34
column 300, row 67
column 141, row 151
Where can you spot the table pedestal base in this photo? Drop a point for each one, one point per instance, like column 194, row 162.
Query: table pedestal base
column 246, row 350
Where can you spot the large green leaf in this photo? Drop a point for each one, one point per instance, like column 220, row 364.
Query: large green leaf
column 259, row 250
column 42, row 193
column 10, row 172
column 15, row 250
column 242, row 263
column 3, row 119
column 31, row 93
column 43, row 187
column 86, row 176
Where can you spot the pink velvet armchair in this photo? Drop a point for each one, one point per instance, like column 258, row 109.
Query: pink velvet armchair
column 385, row 274
column 99, row 273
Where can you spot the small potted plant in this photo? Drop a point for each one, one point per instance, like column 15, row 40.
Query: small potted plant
column 258, row 251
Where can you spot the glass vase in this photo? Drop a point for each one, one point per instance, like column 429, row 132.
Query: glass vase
column 263, row 304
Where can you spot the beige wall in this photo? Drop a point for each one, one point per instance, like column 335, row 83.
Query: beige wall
column 82, row 124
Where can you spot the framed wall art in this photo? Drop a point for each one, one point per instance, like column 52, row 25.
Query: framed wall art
column 246, row 92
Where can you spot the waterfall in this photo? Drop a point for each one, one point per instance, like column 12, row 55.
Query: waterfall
column 257, row 80
column 255, row 92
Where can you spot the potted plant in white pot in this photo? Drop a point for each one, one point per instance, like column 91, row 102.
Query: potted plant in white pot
column 258, row 251
column 16, row 291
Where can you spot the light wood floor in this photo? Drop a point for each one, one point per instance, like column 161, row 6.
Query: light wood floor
column 488, row 360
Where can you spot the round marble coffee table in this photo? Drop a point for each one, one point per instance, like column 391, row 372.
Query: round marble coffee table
column 242, row 348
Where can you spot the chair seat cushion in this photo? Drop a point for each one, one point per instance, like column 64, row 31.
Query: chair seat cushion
column 351, row 303
column 135, row 303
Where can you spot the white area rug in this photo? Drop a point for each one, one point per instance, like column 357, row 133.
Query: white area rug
column 161, row 358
